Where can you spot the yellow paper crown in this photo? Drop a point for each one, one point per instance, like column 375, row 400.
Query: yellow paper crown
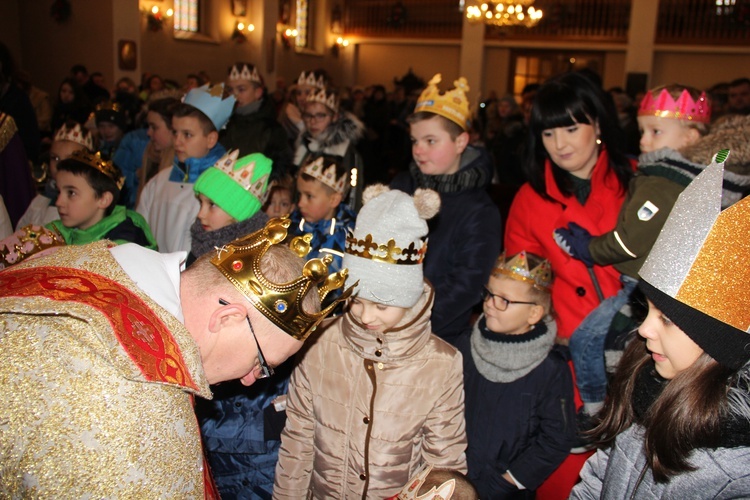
column 325, row 97
column 326, row 175
column 281, row 303
column 244, row 175
column 106, row 167
column 453, row 104
column 517, row 268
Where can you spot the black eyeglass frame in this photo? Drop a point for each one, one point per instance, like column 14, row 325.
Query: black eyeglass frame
column 487, row 294
column 265, row 370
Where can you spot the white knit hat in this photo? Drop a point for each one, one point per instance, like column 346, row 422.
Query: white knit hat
column 385, row 252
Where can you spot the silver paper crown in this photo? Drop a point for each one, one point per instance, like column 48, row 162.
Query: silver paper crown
column 243, row 72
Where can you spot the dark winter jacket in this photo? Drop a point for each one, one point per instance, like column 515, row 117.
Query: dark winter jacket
column 520, row 414
column 242, row 433
column 259, row 132
column 465, row 238
column 662, row 176
column 337, row 140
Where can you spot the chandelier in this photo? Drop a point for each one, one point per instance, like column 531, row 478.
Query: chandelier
column 511, row 13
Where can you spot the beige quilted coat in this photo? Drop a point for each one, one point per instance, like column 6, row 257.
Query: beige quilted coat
column 366, row 410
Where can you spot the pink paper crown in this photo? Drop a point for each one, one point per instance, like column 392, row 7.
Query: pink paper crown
column 684, row 108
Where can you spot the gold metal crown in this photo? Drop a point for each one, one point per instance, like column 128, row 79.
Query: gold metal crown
column 281, row 303
column 326, row 175
column 242, row 72
column 310, row 80
column 27, row 241
column 325, row 97
column 517, row 268
column 106, row 167
column 388, row 252
column 75, row 134
column 453, row 104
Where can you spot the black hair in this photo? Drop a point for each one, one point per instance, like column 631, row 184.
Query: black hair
column 739, row 81
column 183, row 110
column 99, row 182
column 341, row 170
column 562, row 102
column 78, row 68
column 165, row 108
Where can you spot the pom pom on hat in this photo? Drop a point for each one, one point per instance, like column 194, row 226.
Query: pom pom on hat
column 385, row 252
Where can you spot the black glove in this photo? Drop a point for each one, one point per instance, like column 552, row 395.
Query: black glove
column 574, row 241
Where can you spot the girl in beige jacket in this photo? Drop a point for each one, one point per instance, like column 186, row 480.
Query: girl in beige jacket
column 377, row 395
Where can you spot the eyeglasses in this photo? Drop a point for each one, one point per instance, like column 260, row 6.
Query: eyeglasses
column 499, row 302
column 316, row 116
column 265, row 370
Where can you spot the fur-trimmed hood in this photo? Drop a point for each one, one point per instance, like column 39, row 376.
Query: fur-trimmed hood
column 347, row 129
column 731, row 132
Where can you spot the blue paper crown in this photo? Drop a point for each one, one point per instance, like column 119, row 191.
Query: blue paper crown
column 210, row 102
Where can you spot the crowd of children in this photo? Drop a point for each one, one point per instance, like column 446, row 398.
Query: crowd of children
column 451, row 361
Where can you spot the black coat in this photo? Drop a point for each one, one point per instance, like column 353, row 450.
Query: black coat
column 526, row 426
column 465, row 239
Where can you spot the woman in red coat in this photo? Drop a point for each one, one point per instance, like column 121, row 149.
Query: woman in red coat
column 577, row 173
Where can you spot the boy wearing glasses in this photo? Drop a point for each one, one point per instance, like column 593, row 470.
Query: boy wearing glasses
column 520, row 414
column 333, row 132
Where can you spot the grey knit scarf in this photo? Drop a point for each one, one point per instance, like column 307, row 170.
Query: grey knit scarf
column 504, row 358
column 204, row 241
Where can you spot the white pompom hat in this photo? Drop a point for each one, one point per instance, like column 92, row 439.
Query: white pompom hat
column 388, row 245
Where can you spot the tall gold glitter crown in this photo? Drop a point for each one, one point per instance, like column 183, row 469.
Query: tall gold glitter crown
column 281, row 303
column 517, row 268
column 453, row 104
column 242, row 72
column 325, row 97
column 106, row 167
column 27, row 241
column 326, row 175
column 388, row 252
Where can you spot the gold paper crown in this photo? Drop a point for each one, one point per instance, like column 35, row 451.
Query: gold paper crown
column 310, row 80
column 325, row 97
column 327, row 176
column 388, row 252
column 517, row 268
column 411, row 490
column 242, row 72
column 106, row 167
column 453, row 104
column 26, row 242
column 243, row 176
column 75, row 134
column 281, row 303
